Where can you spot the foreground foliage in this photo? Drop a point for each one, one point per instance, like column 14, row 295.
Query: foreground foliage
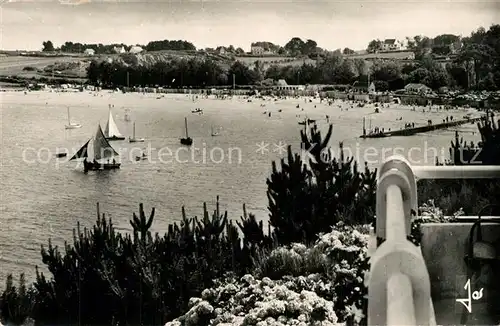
column 295, row 285
column 472, row 194
column 323, row 284
column 147, row 279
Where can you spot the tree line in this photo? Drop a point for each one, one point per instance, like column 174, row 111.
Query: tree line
column 295, row 47
column 332, row 69
column 71, row 47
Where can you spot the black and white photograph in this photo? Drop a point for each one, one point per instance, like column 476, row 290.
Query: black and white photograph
column 249, row 163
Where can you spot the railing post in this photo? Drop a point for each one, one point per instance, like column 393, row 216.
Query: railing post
column 395, row 214
column 400, row 163
column 399, row 299
column 397, row 264
column 395, row 176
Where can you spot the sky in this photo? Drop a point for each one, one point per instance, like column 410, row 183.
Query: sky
column 24, row 24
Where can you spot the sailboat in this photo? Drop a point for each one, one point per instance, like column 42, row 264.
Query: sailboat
column 214, row 133
column 133, row 139
column 111, row 132
column 303, row 123
column 127, row 115
column 72, row 125
column 188, row 141
column 102, row 150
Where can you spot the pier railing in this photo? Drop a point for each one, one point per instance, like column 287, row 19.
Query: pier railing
column 399, row 288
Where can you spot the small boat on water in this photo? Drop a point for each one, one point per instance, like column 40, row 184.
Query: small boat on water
column 306, row 121
column 214, row 133
column 63, row 154
column 72, row 125
column 111, row 132
column 127, row 115
column 135, row 140
column 197, row 110
column 142, row 157
column 102, row 150
column 188, row 141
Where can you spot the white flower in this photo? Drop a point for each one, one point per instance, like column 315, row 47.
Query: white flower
column 354, row 311
column 266, row 281
column 248, row 279
column 193, row 301
column 170, row 323
column 204, row 308
column 205, row 294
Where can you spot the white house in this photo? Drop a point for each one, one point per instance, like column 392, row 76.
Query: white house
column 119, row 49
column 390, row 45
column 364, row 87
column 282, row 85
column 417, row 88
column 135, row 49
column 89, row 52
column 257, row 50
column 221, row 50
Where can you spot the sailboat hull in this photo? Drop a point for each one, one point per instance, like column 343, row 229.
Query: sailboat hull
column 136, row 140
column 73, row 126
column 115, row 138
column 187, row 141
column 91, row 166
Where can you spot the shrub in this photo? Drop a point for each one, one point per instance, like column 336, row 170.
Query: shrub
column 333, row 270
column 140, row 278
column 304, row 202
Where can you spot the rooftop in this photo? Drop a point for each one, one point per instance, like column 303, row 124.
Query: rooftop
column 281, row 82
column 419, row 86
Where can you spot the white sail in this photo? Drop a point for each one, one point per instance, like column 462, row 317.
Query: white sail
column 102, row 148
column 82, row 152
column 111, row 127
column 72, row 125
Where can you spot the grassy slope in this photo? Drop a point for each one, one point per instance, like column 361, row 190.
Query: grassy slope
column 75, row 65
column 13, row 65
column 385, row 55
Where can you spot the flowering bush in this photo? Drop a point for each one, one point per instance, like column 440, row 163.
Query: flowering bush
column 429, row 213
column 334, row 294
column 324, row 284
column 258, row 302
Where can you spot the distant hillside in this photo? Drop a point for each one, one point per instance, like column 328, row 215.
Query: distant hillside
column 398, row 55
column 26, row 66
column 149, row 59
column 42, row 65
column 275, row 60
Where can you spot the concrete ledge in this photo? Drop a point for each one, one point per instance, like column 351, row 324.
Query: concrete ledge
column 443, row 247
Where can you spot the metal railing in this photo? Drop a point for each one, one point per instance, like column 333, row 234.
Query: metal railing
column 399, row 284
